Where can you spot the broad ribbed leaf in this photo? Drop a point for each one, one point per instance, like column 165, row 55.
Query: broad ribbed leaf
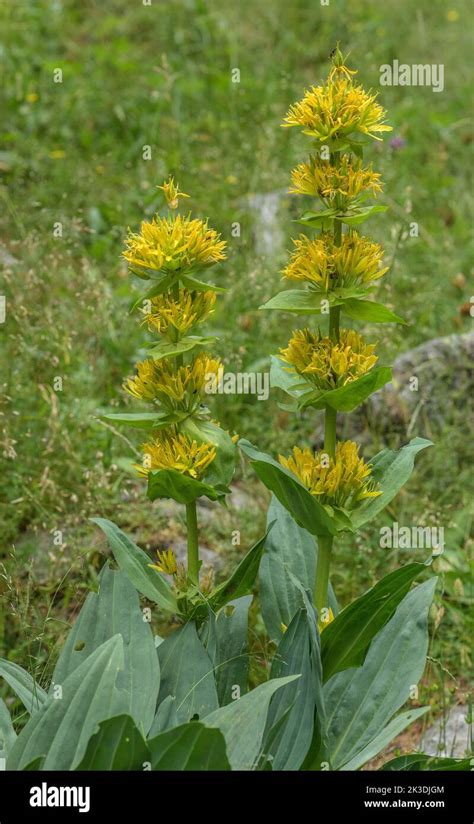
column 116, row 746
column 167, row 349
column 187, row 673
column 303, row 506
column 61, row 729
column 232, row 661
column 23, row 685
column 290, row 552
column 242, row 579
column 169, row 483
column 166, row 717
column 290, row 721
column 136, row 564
column 116, row 610
column 393, row 728
column 242, row 723
column 345, row 641
column 7, row 733
column 191, row 746
column 360, row 702
column 348, row 397
column 369, row 311
column 391, row 470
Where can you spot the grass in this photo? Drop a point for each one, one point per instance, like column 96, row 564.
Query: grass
column 71, row 153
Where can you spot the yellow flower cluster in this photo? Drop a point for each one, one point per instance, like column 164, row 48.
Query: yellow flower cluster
column 176, row 452
column 335, row 185
column 344, row 481
column 338, row 108
column 166, row 312
column 355, row 262
column 161, row 381
column 326, row 363
column 174, row 244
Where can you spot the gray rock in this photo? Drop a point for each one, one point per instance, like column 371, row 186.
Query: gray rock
column 448, row 737
column 6, row 258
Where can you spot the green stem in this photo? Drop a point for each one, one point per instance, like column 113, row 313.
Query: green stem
column 322, row 572
column 330, row 431
column 193, row 543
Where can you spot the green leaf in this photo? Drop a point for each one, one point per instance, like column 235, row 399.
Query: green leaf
column 23, row 685
column 391, row 470
column 393, row 728
column 242, row 723
column 368, row 310
column 166, row 349
column 348, row 397
column 221, row 470
column 191, row 746
column 169, row 483
column 7, row 733
column 311, row 301
column 161, row 284
column 231, row 665
column 242, row 579
column 360, row 702
column 345, row 640
column 187, row 673
column 142, row 420
column 290, row 721
column 303, row 506
column 200, row 285
column 116, row 746
column 290, row 552
column 116, row 610
column 165, row 718
column 360, row 215
column 61, row 729
column 420, row 761
column 322, row 219
column 136, row 564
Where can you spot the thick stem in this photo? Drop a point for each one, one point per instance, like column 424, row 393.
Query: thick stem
column 330, row 431
column 193, row 543
column 322, row 572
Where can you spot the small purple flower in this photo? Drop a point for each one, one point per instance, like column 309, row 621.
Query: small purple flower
column 397, row 143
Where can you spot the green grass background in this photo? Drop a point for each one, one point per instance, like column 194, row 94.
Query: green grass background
column 71, row 152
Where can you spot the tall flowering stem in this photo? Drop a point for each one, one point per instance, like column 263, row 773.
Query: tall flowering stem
column 186, row 454
column 338, row 269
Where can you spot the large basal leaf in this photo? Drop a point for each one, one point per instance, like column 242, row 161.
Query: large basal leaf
column 7, row 732
column 191, row 746
column 360, row 702
column 231, row 664
column 117, row 745
column 348, row 397
column 61, row 729
column 166, row 717
column 290, row 721
column 187, row 674
column 31, row 695
column 136, row 564
column 116, row 610
column 290, row 552
column 169, row 483
column 345, row 641
column 391, row 470
column 242, row 723
column 242, row 579
column 303, row 506
column 393, row 728
column 221, row 470
column 369, row 311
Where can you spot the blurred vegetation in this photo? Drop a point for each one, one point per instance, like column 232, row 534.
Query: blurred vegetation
column 72, row 153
